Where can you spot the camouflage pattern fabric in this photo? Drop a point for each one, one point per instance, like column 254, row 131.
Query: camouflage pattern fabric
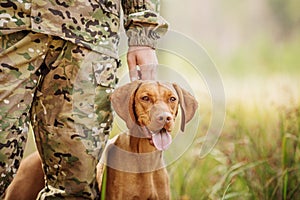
column 70, row 113
column 19, row 74
column 93, row 24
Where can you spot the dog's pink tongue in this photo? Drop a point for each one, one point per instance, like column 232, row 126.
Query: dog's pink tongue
column 162, row 140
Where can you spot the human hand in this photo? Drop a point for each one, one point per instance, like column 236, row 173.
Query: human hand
column 142, row 63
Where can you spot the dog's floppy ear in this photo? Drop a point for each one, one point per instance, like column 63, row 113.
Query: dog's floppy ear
column 188, row 105
column 122, row 101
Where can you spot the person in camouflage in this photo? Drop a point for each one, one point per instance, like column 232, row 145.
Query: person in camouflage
column 57, row 71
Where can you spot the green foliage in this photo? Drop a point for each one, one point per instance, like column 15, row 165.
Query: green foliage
column 286, row 13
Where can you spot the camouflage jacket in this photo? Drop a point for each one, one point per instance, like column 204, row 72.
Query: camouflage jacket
column 93, row 24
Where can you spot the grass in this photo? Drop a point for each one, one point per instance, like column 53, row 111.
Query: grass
column 257, row 155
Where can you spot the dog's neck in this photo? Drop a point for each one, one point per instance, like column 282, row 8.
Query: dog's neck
column 133, row 154
column 141, row 145
column 140, row 140
column 148, row 158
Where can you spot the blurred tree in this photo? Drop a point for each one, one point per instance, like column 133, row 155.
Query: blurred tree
column 287, row 15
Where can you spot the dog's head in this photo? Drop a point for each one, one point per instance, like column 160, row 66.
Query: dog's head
column 152, row 106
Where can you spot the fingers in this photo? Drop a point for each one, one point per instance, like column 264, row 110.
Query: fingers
column 142, row 63
column 148, row 72
column 131, row 62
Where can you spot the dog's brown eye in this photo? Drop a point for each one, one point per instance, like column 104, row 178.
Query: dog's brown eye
column 172, row 99
column 145, row 98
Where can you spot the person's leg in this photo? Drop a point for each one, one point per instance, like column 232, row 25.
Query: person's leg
column 21, row 55
column 72, row 119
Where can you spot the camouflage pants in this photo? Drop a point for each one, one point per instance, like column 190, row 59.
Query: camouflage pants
column 63, row 91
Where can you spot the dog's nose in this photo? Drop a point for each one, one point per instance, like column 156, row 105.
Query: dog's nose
column 164, row 117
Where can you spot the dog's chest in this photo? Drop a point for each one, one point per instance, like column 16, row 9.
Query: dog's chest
column 152, row 185
column 133, row 175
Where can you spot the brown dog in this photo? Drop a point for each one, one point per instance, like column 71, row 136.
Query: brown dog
column 28, row 181
column 134, row 159
column 135, row 167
